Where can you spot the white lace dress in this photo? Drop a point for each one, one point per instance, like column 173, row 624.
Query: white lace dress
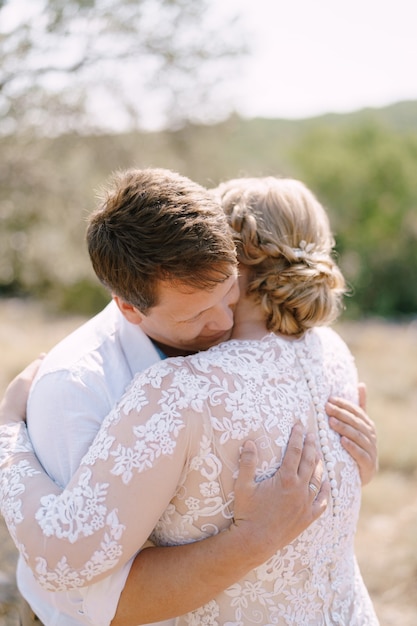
column 164, row 463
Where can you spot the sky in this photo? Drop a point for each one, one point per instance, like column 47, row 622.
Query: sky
column 318, row 56
column 310, row 57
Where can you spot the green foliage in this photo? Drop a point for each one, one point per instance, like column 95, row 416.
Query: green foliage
column 366, row 177
column 84, row 297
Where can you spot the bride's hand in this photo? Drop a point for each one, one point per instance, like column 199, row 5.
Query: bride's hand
column 357, row 432
column 13, row 404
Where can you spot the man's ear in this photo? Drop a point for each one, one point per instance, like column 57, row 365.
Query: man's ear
column 128, row 310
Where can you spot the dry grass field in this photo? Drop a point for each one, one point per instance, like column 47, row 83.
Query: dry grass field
column 386, row 356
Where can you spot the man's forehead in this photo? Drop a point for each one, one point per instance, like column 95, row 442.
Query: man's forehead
column 210, row 280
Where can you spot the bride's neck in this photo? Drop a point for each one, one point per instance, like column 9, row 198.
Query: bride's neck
column 249, row 320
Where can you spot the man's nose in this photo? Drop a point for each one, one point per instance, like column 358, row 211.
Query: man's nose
column 222, row 318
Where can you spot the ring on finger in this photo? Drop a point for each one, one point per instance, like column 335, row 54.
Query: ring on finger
column 313, row 488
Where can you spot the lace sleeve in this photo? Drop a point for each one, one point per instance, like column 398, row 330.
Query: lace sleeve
column 78, row 535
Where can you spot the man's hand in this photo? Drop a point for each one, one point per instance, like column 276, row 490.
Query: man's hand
column 268, row 515
column 272, row 513
column 357, row 432
column 13, row 404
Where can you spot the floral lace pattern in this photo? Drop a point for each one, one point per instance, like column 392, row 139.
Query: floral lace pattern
column 164, row 462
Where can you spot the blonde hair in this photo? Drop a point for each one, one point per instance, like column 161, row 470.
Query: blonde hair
column 282, row 232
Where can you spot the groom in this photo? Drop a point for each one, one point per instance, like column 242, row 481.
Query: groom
column 162, row 247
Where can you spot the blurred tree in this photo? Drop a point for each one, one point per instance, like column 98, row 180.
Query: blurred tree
column 81, row 64
column 70, row 69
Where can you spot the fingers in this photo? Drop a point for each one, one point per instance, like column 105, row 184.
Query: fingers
column 362, row 438
column 294, row 451
column 310, row 468
column 366, row 458
column 321, row 500
column 247, row 464
column 362, row 396
column 30, row 370
column 13, row 403
column 351, row 422
column 316, row 478
column 246, row 503
column 299, row 459
column 319, row 488
column 357, row 452
column 349, row 413
column 357, row 432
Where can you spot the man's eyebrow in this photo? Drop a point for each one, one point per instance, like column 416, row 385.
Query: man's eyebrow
column 192, row 317
column 197, row 314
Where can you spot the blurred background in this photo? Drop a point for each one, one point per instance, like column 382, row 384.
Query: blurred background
column 321, row 91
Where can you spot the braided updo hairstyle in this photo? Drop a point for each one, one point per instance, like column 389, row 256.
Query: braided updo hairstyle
column 282, row 232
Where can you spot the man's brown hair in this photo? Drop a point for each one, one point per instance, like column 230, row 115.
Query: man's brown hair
column 153, row 225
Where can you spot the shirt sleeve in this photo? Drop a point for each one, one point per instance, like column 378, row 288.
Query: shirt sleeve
column 65, row 407
column 74, row 536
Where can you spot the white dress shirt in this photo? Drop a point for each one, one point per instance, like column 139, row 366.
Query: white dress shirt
column 78, row 383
